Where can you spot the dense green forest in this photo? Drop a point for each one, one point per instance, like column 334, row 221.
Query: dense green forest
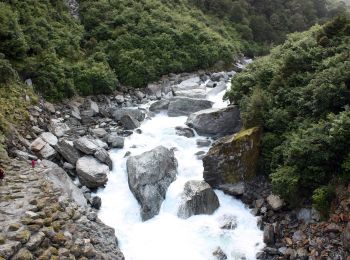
column 137, row 41
column 300, row 96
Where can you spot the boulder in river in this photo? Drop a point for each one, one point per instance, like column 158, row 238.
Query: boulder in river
column 184, row 131
column 136, row 113
column 103, row 156
column 115, row 141
column 216, row 122
column 194, row 93
column 233, row 158
column 159, row 105
column 149, row 176
column 197, row 198
column 91, row 172
column 129, row 122
column 183, row 106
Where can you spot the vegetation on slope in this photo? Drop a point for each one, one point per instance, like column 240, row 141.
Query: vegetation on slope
column 300, row 95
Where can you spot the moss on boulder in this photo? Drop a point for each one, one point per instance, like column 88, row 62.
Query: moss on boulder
column 233, row 158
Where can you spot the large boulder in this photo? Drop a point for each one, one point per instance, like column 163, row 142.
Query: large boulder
column 188, row 84
column 149, row 176
column 85, row 145
column 114, row 140
column 159, row 105
column 197, row 198
column 216, row 122
column 138, row 114
column 221, row 86
column 91, row 172
column 58, row 128
column 61, row 180
column 68, row 151
column 49, row 138
column 194, row 93
column 183, row 106
column 233, row 158
column 129, row 122
column 47, row 152
column 103, row 156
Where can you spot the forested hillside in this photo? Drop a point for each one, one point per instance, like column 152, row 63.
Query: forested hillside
column 135, row 42
column 300, row 96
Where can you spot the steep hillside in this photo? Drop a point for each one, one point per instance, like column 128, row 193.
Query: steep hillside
column 300, row 96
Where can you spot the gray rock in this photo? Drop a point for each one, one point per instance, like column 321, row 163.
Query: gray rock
column 49, row 107
column 96, row 202
column 103, row 156
column 68, row 151
column 210, row 84
column 75, row 112
column 100, row 143
column 134, row 112
column 203, row 142
column 68, row 166
column 35, row 241
column 37, row 130
column 188, row 84
column 9, row 249
column 184, row 106
column 197, row 198
column 129, row 122
column 85, row 145
column 298, row 236
column 184, row 131
column 60, row 179
column 304, row 215
column 24, row 155
column 219, row 254
column 236, row 189
column 94, row 107
column 58, row 128
column 269, row 234
column 219, row 76
column 216, row 122
column 275, row 202
column 149, row 176
column 140, row 95
column 91, row 172
column 115, row 141
column 47, row 152
column 37, row 144
column 119, row 99
column 228, row 222
column 49, row 138
column 194, row 93
column 99, row 132
column 221, row 86
column 159, row 105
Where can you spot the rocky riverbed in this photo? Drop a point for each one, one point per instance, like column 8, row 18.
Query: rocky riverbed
column 57, row 215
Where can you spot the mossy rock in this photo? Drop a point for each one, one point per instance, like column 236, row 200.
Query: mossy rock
column 233, row 158
column 14, row 226
column 2, row 239
column 23, row 254
column 23, row 236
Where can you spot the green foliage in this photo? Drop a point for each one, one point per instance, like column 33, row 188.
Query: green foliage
column 300, row 95
column 322, row 199
column 269, row 21
column 145, row 40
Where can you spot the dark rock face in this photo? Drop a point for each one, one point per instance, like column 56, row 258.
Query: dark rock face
column 183, row 106
column 198, row 198
column 149, row 176
column 216, row 122
column 233, row 158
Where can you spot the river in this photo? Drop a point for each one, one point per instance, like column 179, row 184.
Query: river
column 167, row 237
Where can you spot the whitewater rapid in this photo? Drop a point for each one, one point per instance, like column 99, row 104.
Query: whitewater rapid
column 167, row 237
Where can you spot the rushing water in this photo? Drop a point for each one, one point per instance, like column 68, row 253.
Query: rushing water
column 167, row 237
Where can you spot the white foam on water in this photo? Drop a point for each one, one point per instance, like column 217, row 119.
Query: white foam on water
column 167, row 237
